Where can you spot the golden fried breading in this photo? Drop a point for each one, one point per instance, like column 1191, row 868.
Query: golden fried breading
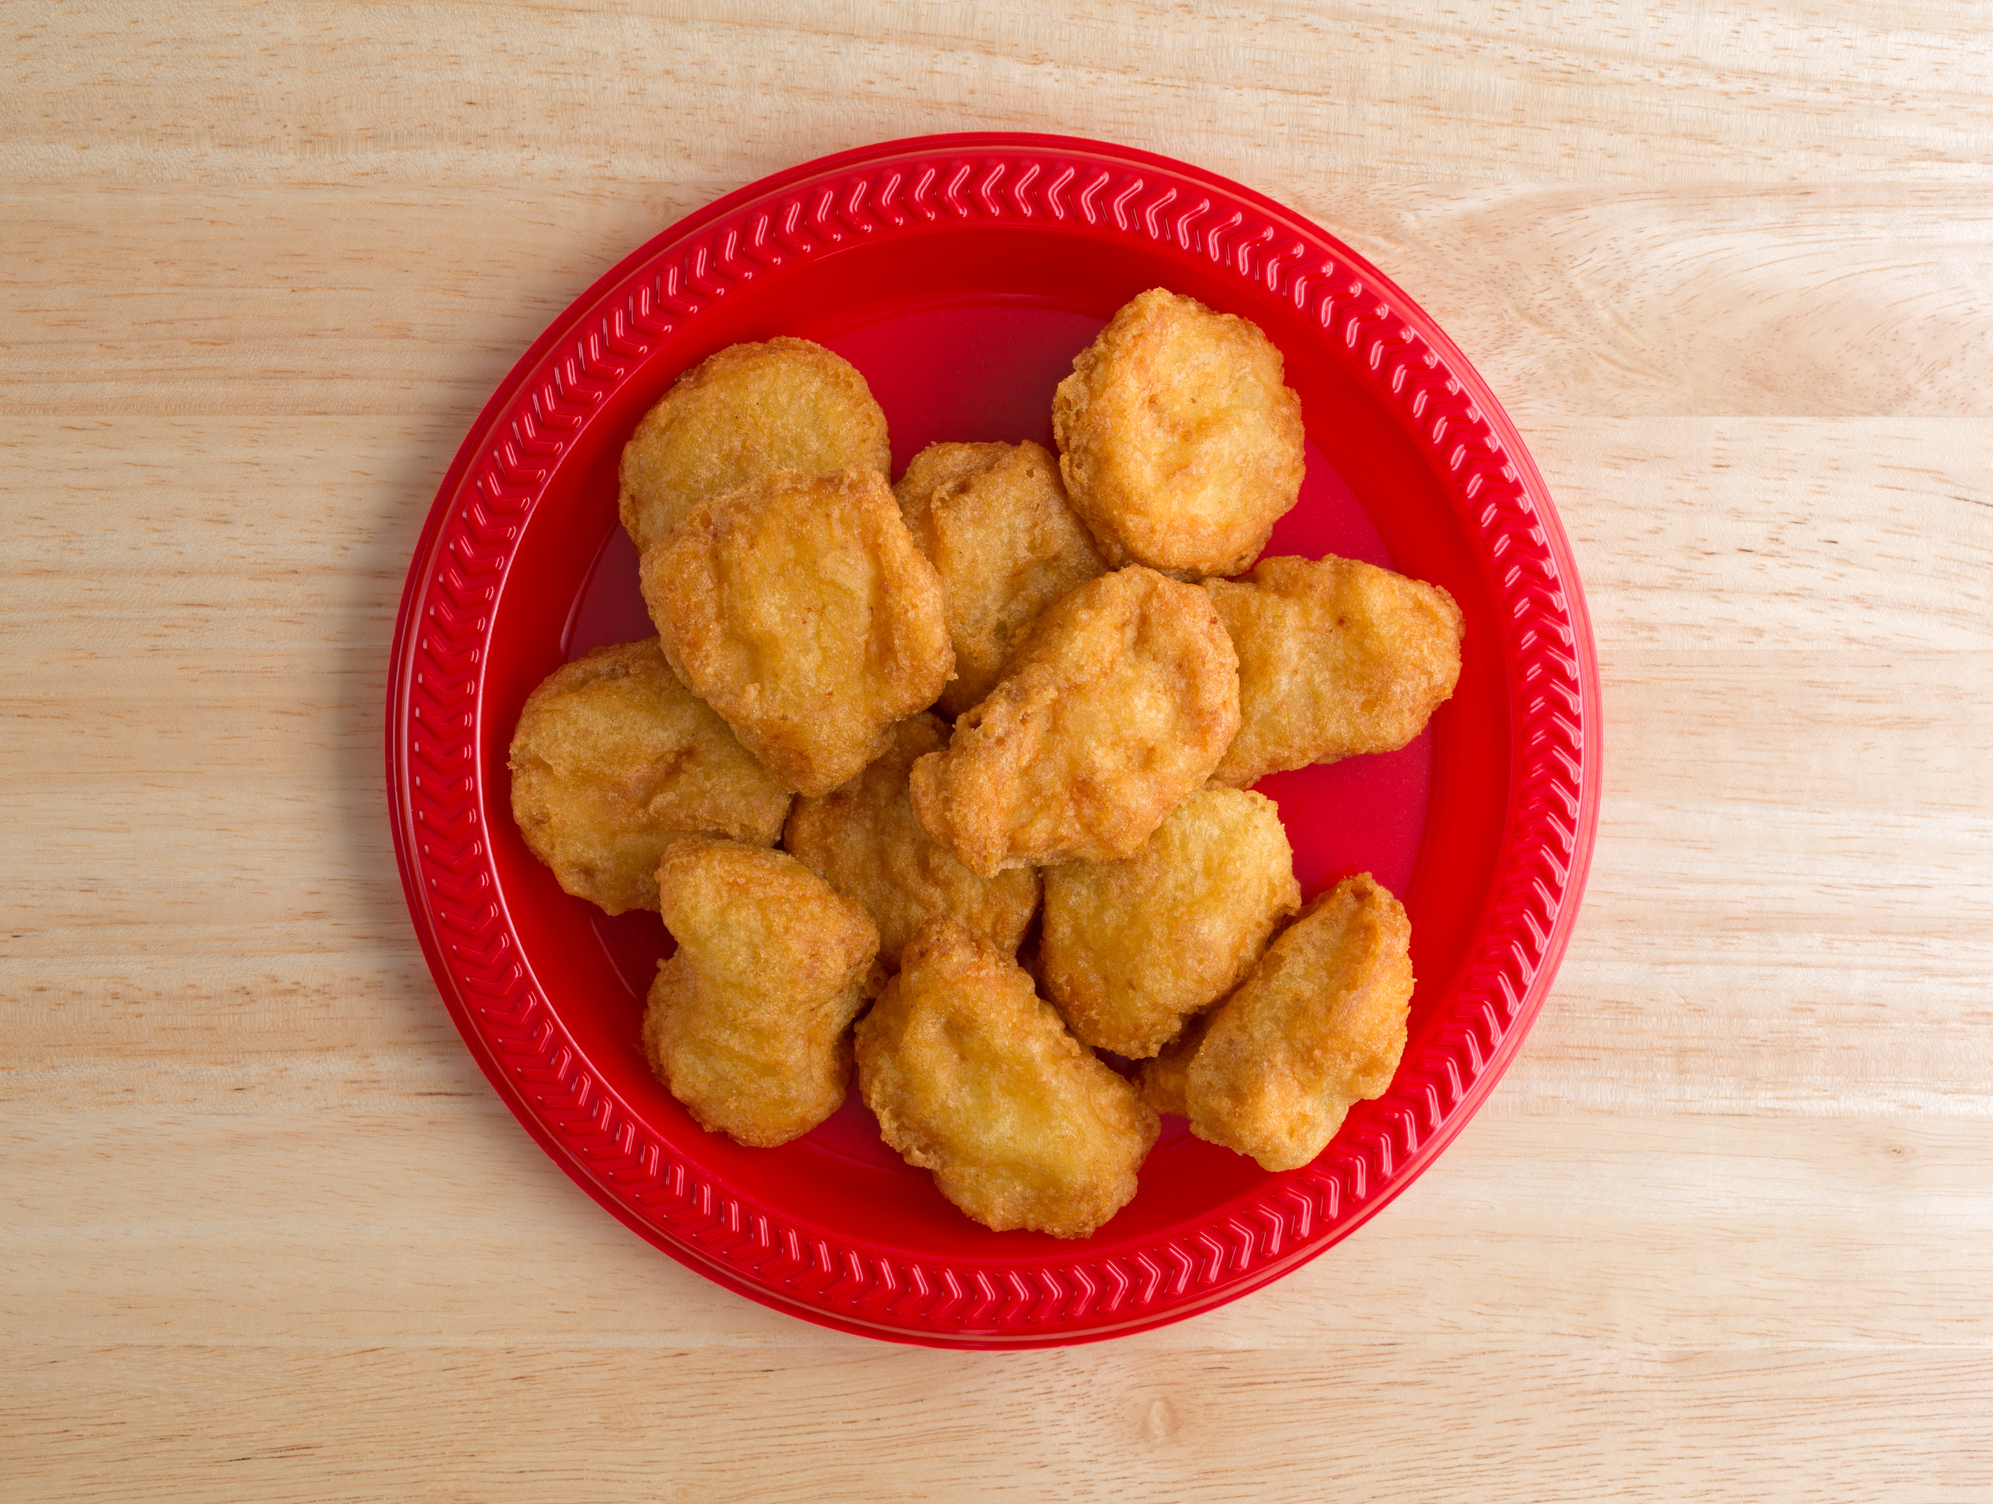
column 1180, row 442
column 940, row 465
column 1335, row 658
column 1161, row 1081
column 1120, row 703
column 1318, row 1026
column 613, row 759
column 973, row 1076
column 1131, row 948
column 785, row 405
column 799, row 608
column 749, row 1020
column 864, row 841
column 994, row 520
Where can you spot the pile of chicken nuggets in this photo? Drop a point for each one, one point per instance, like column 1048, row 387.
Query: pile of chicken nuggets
column 891, row 737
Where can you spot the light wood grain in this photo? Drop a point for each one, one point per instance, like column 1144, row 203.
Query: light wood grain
column 1725, row 1230
column 1554, row 1425
column 1277, row 94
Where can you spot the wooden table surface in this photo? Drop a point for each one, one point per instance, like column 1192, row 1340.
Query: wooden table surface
column 1725, row 1231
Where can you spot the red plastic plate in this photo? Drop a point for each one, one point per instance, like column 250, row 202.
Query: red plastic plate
column 961, row 274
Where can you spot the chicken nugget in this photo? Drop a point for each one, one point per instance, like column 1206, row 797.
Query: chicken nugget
column 1131, row 948
column 799, row 608
column 973, row 1076
column 1120, row 703
column 749, row 1020
column 1335, row 658
column 1180, row 442
column 1317, row 1026
column 864, row 841
column 613, row 759
column 994, row 520
column 784, row 405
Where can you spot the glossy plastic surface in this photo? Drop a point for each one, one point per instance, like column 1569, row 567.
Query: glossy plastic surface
column 960, row 275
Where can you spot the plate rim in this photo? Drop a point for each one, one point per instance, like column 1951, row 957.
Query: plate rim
column 1464, row 400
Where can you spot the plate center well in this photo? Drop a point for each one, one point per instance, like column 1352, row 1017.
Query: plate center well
column 985, row 370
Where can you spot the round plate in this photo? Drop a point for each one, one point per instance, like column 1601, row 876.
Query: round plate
column 961, row 274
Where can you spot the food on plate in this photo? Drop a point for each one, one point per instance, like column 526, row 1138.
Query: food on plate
column 1131, row 948
column 862, row 838
column 1317, row 1026
column 799, row 608
column 994, row 520
column 972, row 1076
column 749, row 1020
column 1335, row 658
column 1120, row 702
column 784, row 405
column 1180, row 442
column 613, row 759
column 809, row 616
